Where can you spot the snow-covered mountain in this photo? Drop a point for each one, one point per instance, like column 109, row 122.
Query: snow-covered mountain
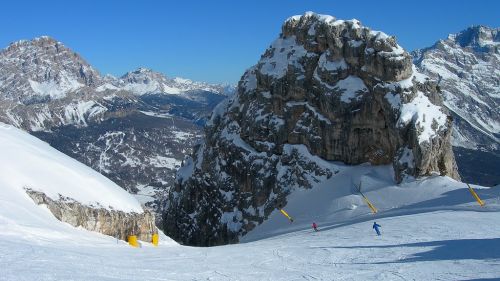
column 41, row 69
column 467, row 68
column 145, row 81
column 136, row 129
column 33, row 172
column 325, row 90
column 61, row 88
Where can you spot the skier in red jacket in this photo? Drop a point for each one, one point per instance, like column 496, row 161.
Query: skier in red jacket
column 315, row 226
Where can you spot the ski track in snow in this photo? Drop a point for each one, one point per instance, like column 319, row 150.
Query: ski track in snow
column 464, row 245
column 443, row 235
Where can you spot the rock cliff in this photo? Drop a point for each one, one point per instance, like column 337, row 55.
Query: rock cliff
column 109, row 222
column 325, row 90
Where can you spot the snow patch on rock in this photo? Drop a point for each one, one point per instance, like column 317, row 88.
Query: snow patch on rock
column 427, row 116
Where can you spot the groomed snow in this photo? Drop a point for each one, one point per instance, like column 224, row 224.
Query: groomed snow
column 27, row 162
column 432, row 229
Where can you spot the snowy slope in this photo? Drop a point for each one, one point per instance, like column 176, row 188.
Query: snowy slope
column 436, row 233
column 28, row 163
column 336, row 201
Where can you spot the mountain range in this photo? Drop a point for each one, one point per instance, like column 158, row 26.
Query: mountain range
column 135, row 129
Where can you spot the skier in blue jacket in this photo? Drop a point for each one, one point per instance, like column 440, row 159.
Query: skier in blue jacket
column 376, row 226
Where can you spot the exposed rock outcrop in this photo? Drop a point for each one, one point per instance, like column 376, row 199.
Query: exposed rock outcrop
column 109, row 222
column 326, row 89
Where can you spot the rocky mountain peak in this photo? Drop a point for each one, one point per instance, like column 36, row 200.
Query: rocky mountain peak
column 144, row 76
column 44, row 68
column 325, row 90
column 477, row 36
column 140, row 71
column 42, row 41
column 143, row 70
column 322, row 33
column 466, row 66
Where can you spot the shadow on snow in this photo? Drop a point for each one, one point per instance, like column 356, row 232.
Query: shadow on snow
column 463, row 249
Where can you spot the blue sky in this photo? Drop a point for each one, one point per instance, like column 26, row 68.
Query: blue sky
column 216, row 40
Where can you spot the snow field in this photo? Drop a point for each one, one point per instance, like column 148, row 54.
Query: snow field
column 441, row 245
column 29, row 163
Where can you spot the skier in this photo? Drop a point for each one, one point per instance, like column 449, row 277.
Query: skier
column 376, row 226
column 315, row 226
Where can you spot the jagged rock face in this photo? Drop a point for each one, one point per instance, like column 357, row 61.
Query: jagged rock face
column 109, row 222
column 40, row 69
column 136, row 130
column 467, row 68
column 44, row 84
column 326, row 89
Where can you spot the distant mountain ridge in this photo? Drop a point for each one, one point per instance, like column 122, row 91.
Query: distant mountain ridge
column 135, row 129
column 146, row 81
column 48, row 66
column 467, row 68
column 66, row 90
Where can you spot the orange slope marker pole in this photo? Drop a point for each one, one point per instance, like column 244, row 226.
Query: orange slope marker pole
column 481, row 203
column 370, row 205
column 286, row 215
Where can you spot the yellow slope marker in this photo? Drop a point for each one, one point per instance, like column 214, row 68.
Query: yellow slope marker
column 286, row 215
column 481, row 203
column 132, row 241
column 155, row 239
column 370, row 205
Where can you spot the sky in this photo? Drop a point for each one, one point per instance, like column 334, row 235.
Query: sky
column 216, row 40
